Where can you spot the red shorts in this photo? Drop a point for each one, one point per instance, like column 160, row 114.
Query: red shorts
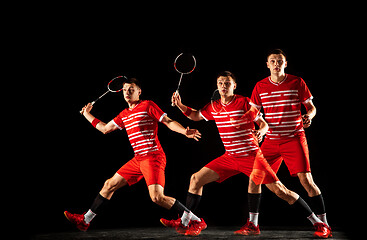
column 151, row 167
column 254, row 166
column 294, row 152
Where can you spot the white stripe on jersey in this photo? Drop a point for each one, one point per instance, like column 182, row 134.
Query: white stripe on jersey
column 284, row 113
column 280, row 105
column 285, row 122
column 280, row 126
column 142, row 121
column 281, row 101
column 141, row 132
column 285, row 91
column 154, row 148
column 142, row 142
column 236, row 132
column 148, row 122
column 270, row 96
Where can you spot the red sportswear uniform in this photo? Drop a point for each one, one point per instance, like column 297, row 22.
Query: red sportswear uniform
column 242, row 151
column 285, row 139
column 141, row 125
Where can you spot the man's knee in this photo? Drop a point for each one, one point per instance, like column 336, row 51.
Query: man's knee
column 308, row 183
column 284, row 193
column 195, row 181
column 253, row 188
column 108, row 185
column 111, row 185
column 157, row 198
column 280, row 190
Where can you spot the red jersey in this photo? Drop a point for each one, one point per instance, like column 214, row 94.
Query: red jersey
column 282, row 105
column 141, row 124
column 236, row 135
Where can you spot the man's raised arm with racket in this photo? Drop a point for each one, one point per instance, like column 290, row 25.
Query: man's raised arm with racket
column 191, row 113
column 132, row 101
column 247, row 117
column 99, row 125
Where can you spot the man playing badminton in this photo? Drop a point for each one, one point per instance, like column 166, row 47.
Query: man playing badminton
column 234, row 116
column 281, row 96
column 140, row 121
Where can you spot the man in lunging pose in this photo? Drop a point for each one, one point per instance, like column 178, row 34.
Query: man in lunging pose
column 234, row 117
column 140, row 121
column 281, row 96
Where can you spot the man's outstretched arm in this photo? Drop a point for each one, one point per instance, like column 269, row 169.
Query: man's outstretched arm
column 98, row 124
column 191, row 113
column 177, row 127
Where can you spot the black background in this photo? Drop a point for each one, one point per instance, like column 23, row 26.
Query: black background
column 71, row 56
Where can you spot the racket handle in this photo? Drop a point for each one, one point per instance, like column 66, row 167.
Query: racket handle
column 173, row 104
column 92, row 103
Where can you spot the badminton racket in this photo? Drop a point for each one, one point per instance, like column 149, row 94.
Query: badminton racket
column 114, row 86
column 184, row 64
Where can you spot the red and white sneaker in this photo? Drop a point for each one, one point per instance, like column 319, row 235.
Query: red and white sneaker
column 78, row 220
column 174, row 223
column 193, row 229
column 322, row 230
column 248, row 229
column 181, row 229
column 202, row 225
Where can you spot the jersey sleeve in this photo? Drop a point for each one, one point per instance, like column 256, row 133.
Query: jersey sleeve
column 155, row 112
column 117, row 121
column 255, row 98
column 303, row 92
column 205, row 112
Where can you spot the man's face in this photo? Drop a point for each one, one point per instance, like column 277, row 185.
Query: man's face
column 226, row 86
column 276, row 63
column 131, row 92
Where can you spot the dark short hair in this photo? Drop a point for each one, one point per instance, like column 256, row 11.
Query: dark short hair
column 227, row 74
column 276, row 51
column 133, row 80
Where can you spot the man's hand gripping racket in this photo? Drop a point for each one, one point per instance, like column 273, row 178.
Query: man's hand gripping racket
column 87, row 108
column 176, row 99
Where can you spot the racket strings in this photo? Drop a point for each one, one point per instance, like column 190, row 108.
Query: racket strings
column 116, row 84
column 185, row 63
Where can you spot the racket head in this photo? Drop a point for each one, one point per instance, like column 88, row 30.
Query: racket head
column 116, row 84
column 185, row 63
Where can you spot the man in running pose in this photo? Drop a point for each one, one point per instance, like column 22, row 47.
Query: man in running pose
column 281, row 96
column 234, row 116
column 140, row 121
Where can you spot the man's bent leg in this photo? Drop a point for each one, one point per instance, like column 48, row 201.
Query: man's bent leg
column 282, row 192
column 108, row 189
column 82, row 221
column 201, row 178
column 158, row 197
column 111, row 185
